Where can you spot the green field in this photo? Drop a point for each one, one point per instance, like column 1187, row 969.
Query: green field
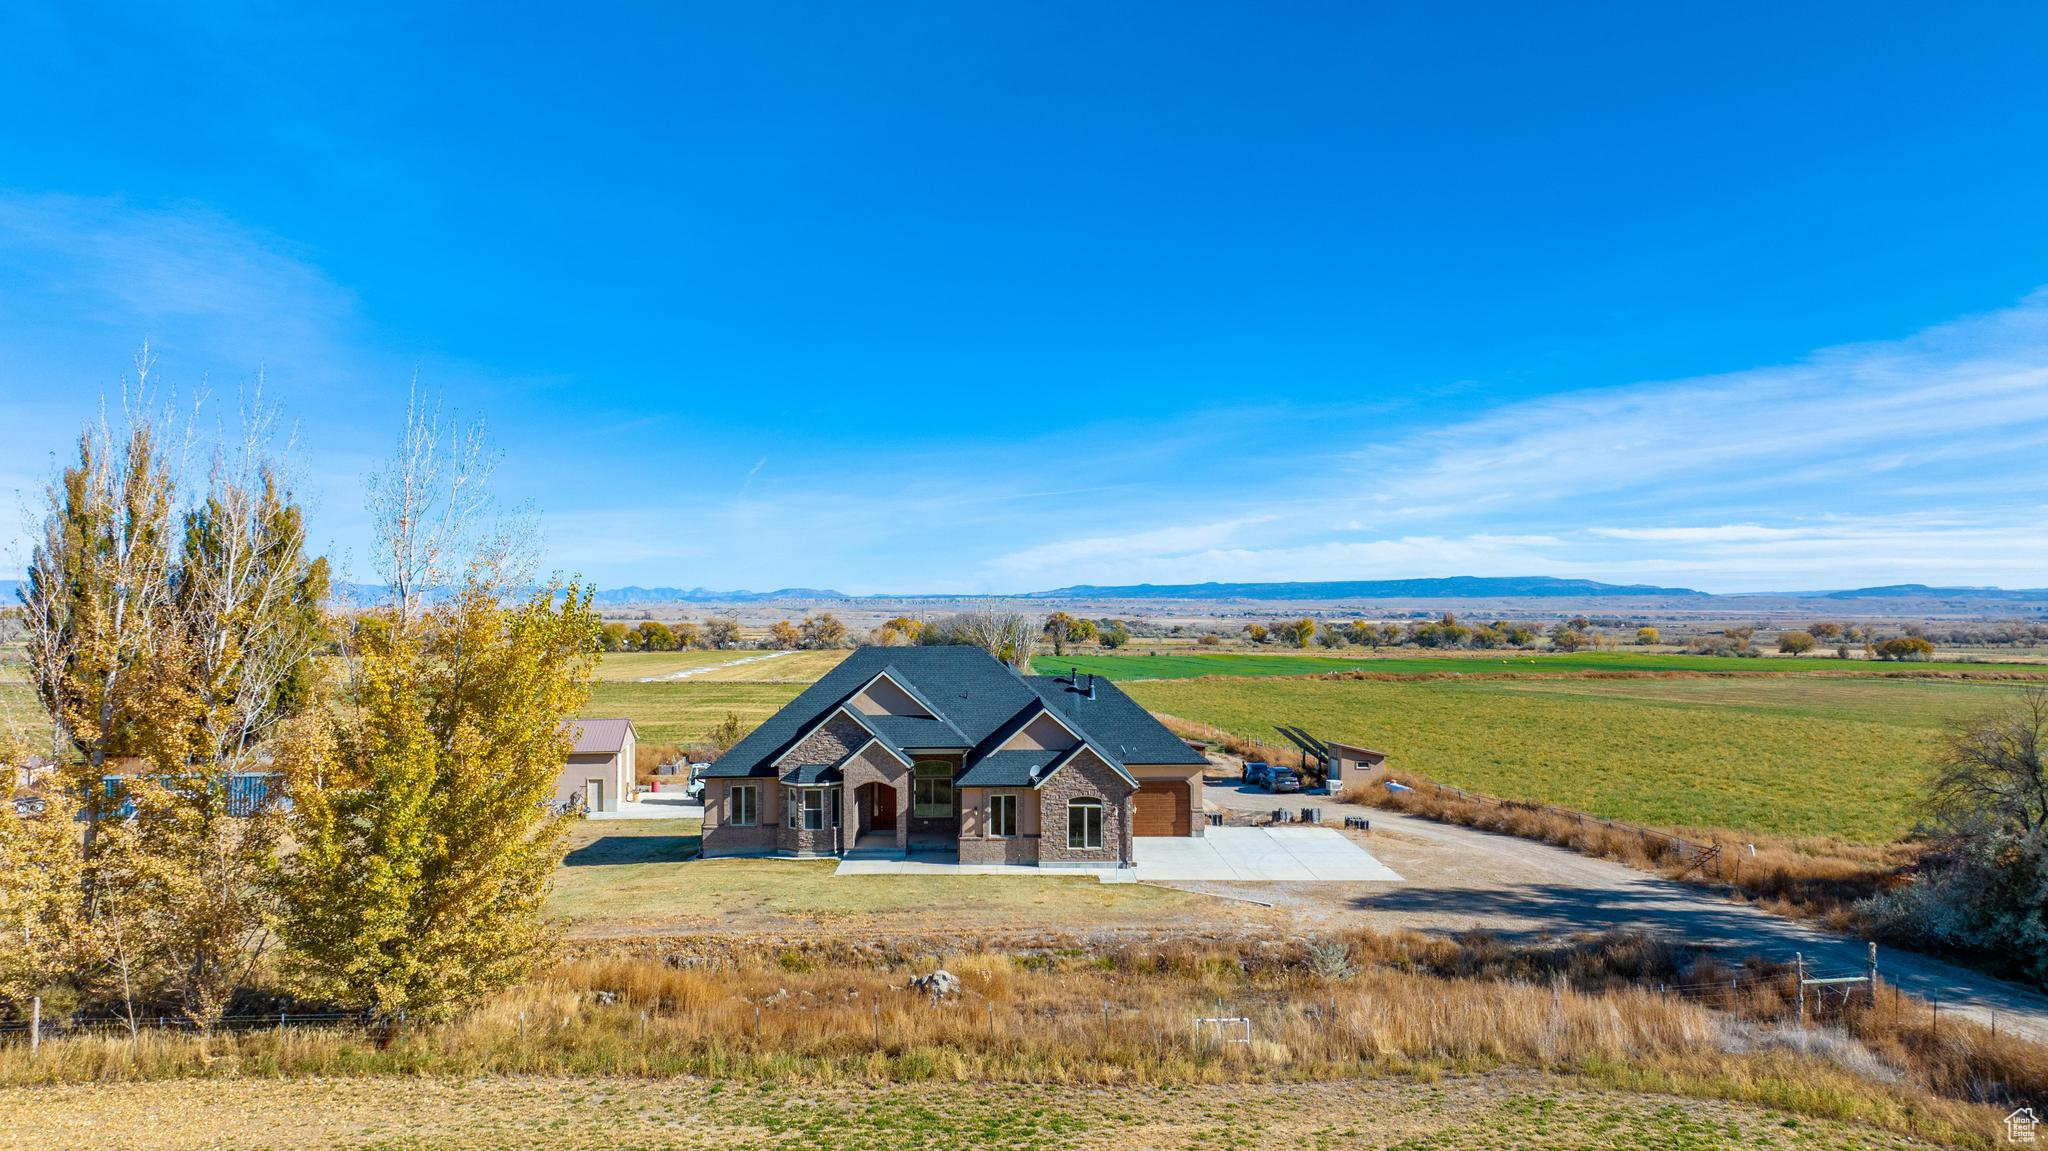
column 1790, row 755
column 1191, row 665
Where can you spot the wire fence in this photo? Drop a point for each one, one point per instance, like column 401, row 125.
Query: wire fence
column 1787, row 992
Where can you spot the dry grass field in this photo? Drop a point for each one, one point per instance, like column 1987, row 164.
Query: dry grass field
column 1482, row 1112
column 1564, row 1045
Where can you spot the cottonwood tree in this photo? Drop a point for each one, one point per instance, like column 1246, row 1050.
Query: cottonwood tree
column 96, row 603
column 1007, row 636
column 425, row 846
column 823, row 632
column 431, row 507
column 1059, row 629
column 172, row 655
column 44, row 940
column 1795, row 642
column 1985, row 887
column 722, row 631
column 424, row 843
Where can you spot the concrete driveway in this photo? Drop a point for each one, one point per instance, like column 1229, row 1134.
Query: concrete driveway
column 1274, row 855
column 1461, row 879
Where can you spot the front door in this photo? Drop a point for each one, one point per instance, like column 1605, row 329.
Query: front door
column 881, row 807
column 596, row 794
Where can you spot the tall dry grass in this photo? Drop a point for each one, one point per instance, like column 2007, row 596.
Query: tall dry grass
column 1393, row 1005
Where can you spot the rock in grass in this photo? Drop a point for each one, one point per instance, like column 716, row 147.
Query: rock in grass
column 940, row 984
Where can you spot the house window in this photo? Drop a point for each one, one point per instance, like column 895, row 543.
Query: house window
column 933, row 794
column 1084, row 824
column 744, row 813
column 789, row 808
column 814, row 809
column 1002, row 816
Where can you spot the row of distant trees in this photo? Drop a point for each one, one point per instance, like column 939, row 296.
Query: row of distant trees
column 719, row 631
column 180, row 641
column 1061, row 631
column 1447, row 631
column 1846, row 641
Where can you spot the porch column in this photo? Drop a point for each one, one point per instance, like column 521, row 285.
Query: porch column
column 902, row 793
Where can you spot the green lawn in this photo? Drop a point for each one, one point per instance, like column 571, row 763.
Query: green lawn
column 1188, row 666
column 641, row 875
column 1792, row 755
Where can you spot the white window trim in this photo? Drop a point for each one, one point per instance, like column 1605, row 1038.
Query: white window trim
column 993, row 802
column 1086, row 804
column 753, row 805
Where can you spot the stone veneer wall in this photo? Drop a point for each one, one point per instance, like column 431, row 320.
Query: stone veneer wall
column 876, row 765
column 723, row 838
column 1085, row 775
column 803, row 841
column 833, row 740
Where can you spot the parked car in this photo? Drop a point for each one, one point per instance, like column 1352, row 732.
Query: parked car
column 695, row 788
column 1255, row 772
column 1280, row 779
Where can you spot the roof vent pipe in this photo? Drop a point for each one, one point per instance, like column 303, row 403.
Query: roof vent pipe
column 1091, row 685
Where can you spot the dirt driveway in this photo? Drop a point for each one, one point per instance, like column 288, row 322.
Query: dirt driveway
column 1459, row 878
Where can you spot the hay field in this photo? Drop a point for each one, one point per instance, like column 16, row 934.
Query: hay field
column 587, row 1113
column 1782, row 755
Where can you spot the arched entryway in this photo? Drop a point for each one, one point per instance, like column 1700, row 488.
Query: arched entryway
column 877, row 805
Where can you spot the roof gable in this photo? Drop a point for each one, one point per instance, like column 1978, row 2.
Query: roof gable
column 598, row 736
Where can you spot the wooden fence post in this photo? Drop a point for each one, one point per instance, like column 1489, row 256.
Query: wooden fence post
column 1799, row 974
column 35, row 1026
column 1870, row 976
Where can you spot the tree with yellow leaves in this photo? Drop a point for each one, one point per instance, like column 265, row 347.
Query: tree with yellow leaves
column 424, row 841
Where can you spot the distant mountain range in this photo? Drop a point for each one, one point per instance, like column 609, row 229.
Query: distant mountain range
column 619, row 595
column 1923, row 591
column 1453, row 587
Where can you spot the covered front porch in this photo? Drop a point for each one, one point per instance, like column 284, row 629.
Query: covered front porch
column 913, row 813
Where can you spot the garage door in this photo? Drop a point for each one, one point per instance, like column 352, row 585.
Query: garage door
column 1160, row 809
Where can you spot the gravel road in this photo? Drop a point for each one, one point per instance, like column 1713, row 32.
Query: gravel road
column 1460, row 878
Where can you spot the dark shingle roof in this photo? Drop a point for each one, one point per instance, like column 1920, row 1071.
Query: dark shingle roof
column 1113, row 721
column 971, row 689
column 1009, row 768
column 811, row 774
column 914, row 731
column 980, row 702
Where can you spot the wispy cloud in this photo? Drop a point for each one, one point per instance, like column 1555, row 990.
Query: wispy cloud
column 1916, row 459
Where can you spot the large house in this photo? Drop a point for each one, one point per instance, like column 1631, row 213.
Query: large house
column 599, row 772
column 949, row 749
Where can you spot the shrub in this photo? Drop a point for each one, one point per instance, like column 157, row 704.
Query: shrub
column 1905, row 647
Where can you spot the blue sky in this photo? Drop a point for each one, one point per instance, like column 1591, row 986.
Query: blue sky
column 983, row 297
